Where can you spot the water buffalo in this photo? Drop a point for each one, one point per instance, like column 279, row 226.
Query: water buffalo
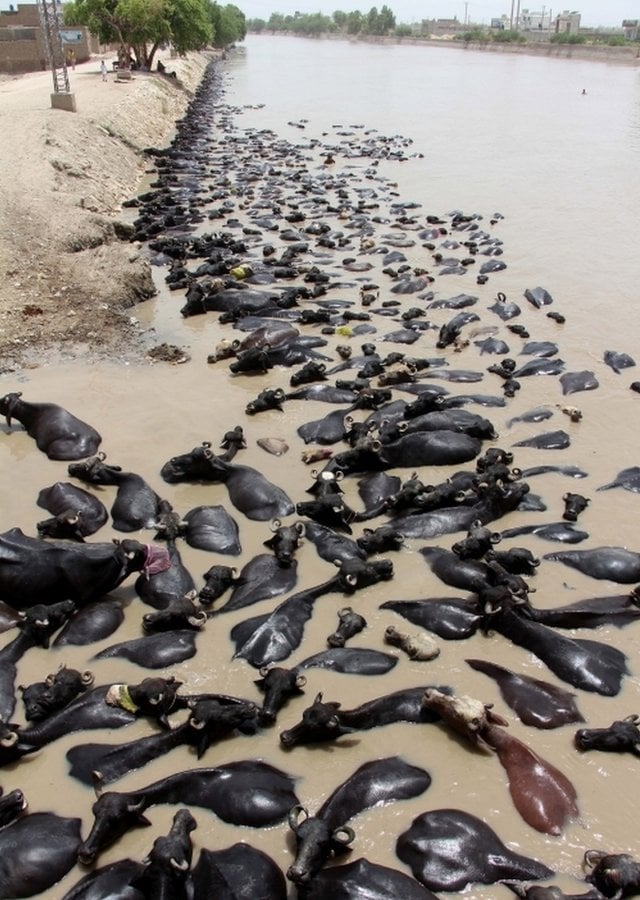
column 249, row 490
column 448, row 849
column 57, row 691
column 613, row 874
column 35, row 853
column 247, row 792
column 324, row 835
column 277, row 685
column 622, row 736
column 136, row 505
column 34, row 571
column 57, row 432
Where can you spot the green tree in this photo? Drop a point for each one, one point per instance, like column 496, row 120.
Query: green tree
column 373, row 21
column 256, row 25
column 340, row 18
column 355, row 22
column 387, row 21
column 142, row 26
column 229, row 24
column 314, row 23
column 276, row 22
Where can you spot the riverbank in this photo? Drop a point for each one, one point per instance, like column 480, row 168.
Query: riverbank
column 68, row 281
column 629, row 55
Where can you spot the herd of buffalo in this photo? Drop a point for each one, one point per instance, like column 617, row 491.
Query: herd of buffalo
column 306, row 261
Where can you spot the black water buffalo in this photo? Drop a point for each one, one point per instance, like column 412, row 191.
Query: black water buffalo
column 57, row 432
column 34, row 571
column 35, row 853
column 36, row 626
column 12, row 805
column 277, row 685
column 622, row 736
column 247, row 792
column 218, row 579
column 574, row 504
column 249, row 490
column 350, row 624
column 168, row 862
column 136, row 505
column 180, row 612
column 82, row 512
column 448, row 849
column 613, row 874
column 325, row 835
column 285, row 541
column 43, row 698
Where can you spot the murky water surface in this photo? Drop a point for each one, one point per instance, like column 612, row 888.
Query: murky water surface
column 489, row 134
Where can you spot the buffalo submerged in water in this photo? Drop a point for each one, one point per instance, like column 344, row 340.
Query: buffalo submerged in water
column 405, row 468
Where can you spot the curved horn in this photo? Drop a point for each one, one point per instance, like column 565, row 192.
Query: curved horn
column 9, row 739
column 135, row 807
column 87, row 678
column 344, row 835
column 593, row 857
column 275, row 525
column 180, row 866
column 294, row 816
column 97, row 778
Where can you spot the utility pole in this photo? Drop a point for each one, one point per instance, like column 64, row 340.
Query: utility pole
column 511, row 17
column 466, row 16
column 61, row 98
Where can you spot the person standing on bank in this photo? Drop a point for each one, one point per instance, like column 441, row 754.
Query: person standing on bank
column 103, row 70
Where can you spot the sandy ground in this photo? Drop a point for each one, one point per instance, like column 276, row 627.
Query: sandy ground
column 67, row 282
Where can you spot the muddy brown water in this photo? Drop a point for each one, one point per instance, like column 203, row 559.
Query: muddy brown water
column 149, row 412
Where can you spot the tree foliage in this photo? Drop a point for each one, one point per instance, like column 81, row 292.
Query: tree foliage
column 375, row 22
column 141, row 27
column 229, row 24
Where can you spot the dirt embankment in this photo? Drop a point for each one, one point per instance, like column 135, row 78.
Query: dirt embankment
column 67, row 281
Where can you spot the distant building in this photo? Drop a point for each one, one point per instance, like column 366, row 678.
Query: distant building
column 631, row 29
column 534, row 21
column 442, row 27
column 568, row 23
column 22, row 45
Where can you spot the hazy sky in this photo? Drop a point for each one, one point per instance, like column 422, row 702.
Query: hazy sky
column 594, row 12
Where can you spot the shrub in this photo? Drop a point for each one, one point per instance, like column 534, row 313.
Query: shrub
column 568, row 39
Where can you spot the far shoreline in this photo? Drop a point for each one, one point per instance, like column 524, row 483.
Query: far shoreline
column 627, row 56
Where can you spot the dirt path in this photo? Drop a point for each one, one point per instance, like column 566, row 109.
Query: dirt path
column 66, row 280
